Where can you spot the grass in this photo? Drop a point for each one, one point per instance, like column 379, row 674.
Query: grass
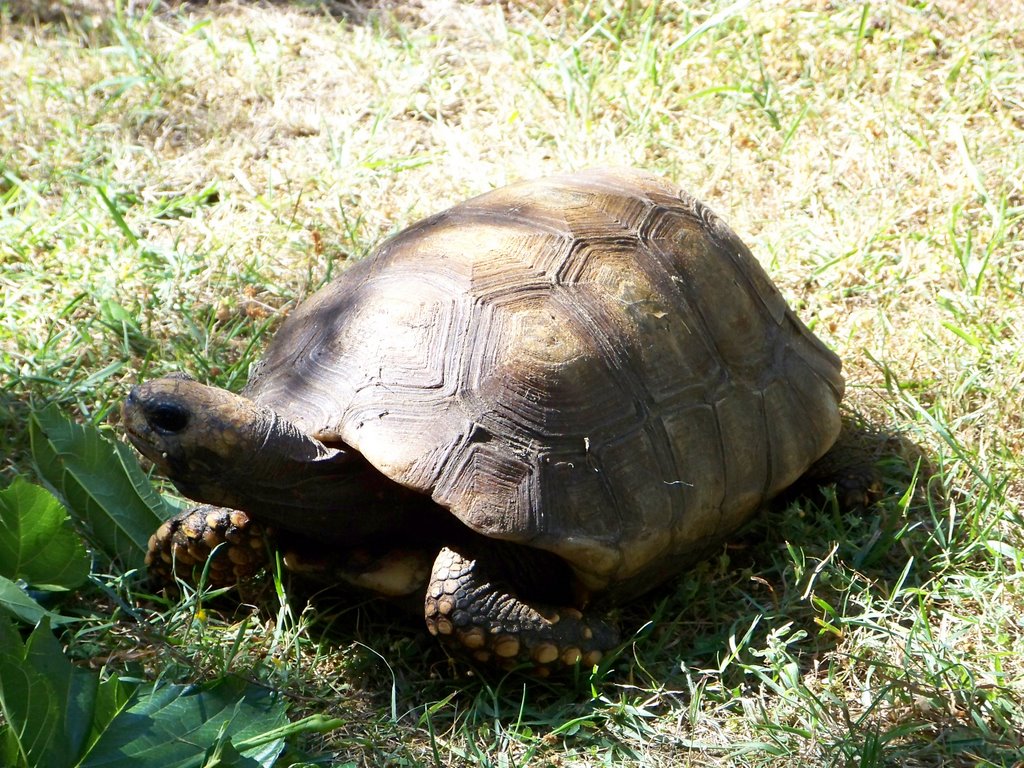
column 174, row 178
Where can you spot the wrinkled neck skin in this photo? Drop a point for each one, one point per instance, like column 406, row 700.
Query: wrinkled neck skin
column 272, row 471
column 220, row 448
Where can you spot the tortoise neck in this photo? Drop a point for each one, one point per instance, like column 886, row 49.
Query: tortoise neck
column 253, row 459
column 338, row 495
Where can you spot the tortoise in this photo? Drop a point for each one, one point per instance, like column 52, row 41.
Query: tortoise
column 546, row 399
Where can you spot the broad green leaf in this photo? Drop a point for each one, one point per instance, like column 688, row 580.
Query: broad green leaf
column 112, row 697
column 101, row 482
column 37, row 544
column 15, row 600
column 72, row 688
column 178, row 726
column 224, row 755
column 11, row 657
column 46, row 701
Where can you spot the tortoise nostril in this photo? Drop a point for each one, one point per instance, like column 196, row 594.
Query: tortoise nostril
column 168, row 417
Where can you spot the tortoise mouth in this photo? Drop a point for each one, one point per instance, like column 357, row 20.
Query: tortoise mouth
column 143, row 445
column 142, row 440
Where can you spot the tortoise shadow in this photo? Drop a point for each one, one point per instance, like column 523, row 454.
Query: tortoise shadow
column 810, row 583
column 794, row 583
column 752, row 575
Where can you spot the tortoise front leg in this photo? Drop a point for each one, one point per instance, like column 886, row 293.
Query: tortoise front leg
column 184, row 543
column 472, row 606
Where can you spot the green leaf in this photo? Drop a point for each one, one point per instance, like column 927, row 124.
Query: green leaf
column 112, row 697
column 110, row 201
column 37, row 544
column 46, row 701
column 73, row 692
column 11, row 752
column 228, row 722
column 224, row 755
column 101, row 482
column 177, row 207
column 57, row 715
column 15, row 600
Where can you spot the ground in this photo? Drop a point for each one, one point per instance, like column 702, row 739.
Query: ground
column 174, row 178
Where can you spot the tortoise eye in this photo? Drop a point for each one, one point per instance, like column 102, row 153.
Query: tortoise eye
column 168, row 417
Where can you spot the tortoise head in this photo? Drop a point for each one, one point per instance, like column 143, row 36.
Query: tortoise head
column 221, row 448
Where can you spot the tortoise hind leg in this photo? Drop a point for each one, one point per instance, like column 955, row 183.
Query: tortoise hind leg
column 851, row 465
column 472, row 607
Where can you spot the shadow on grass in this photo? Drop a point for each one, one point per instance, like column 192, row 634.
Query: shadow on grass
column 14, row 453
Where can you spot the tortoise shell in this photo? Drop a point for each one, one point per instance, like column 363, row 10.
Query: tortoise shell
column 592, row 364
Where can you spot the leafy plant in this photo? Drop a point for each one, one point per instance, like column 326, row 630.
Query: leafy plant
column 61, row 716
column 38, row 549
column 102, row 483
